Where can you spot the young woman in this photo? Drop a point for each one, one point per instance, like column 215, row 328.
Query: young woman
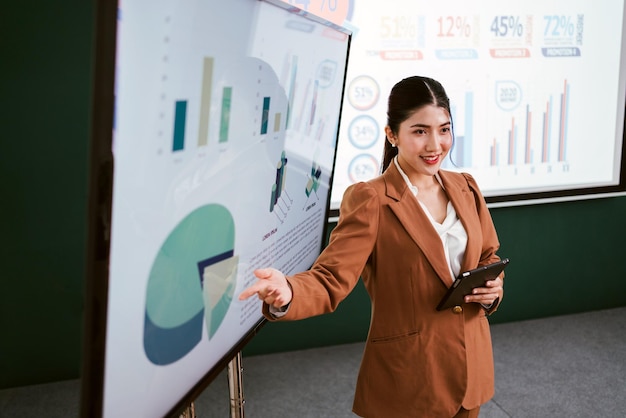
column 407, row 234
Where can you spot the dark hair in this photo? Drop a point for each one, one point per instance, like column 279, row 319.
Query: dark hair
column 406, row 97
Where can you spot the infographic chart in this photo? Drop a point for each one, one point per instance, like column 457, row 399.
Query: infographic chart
column 530, row 83
column 226, row 124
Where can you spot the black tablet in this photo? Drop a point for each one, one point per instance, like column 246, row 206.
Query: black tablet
column 468, row 280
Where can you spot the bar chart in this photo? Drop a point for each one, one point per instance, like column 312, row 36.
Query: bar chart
column 536, row 134
column 523, row 128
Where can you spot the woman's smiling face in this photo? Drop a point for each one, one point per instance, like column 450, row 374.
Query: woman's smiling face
column 423, row 141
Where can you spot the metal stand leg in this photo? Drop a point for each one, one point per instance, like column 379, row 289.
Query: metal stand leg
column 190, row 412
column 235, row 385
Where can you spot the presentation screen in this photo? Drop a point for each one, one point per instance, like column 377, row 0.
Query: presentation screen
column 224, row 142
column 537, row 89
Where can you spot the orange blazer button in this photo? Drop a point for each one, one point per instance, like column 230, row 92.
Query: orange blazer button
column 457, row 309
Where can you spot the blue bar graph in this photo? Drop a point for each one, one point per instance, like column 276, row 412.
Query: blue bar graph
column 180, row 116
column 266, row 115
column 464, row 141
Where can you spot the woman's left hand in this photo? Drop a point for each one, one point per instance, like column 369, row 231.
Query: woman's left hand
column 487, row 295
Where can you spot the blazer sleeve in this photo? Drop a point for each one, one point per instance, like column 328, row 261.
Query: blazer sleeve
column 490, row 244
column 338, row 268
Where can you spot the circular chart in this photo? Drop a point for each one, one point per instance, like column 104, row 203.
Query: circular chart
column 191, row 282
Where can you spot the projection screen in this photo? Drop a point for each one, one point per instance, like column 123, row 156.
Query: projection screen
column 537, row 89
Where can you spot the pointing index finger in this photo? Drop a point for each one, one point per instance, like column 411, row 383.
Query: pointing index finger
column 252, row 290
column 257, row 286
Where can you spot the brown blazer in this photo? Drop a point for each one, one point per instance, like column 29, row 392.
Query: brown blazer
column 418, row 362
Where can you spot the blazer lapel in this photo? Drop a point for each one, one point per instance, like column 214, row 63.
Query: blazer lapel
column 416, row 223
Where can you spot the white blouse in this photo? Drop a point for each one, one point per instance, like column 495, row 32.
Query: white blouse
column 451, row 231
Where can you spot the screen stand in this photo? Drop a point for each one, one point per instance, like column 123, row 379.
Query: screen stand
column 189, row 412
column 235, row 385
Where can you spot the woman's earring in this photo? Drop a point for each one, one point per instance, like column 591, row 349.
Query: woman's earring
column 393, row 145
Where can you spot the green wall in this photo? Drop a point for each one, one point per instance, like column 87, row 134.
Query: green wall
column 46, row 76
column 566, row 257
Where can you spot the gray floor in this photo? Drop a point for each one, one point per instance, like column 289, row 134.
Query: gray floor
column 566, row 366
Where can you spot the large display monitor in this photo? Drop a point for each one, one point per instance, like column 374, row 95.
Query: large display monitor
column 537, row 88
column 224, row 141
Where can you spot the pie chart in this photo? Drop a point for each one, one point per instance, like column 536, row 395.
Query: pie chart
column 191, row 284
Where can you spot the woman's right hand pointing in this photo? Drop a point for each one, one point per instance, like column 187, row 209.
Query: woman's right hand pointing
column 271, row 287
